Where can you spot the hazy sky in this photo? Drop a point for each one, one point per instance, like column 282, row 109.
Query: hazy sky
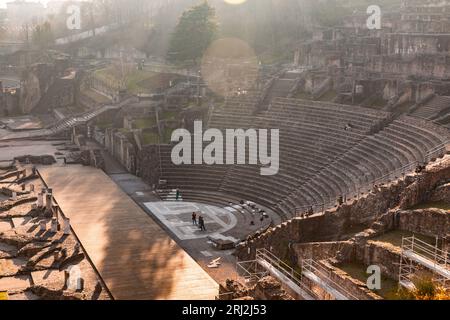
column 3, row 2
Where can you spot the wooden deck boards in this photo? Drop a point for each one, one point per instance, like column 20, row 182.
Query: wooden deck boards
column 136, row 258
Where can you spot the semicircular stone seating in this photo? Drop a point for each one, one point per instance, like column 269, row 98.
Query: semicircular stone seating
column 326, row 150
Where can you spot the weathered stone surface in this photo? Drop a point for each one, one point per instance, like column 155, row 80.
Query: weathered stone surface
column 32, row 249
column 5, row 225
column 441, row 193
column 421, row 189
column 339, row 223
column 432, row 222
column 235, row 287
column 355, row 288
column 21, row 210
column 51, row 252
column 11, row 267
column 53, row 278
column 14, row 238
column 322, row 250
column 268, row 288
column 52, row 293
column 245, row 298
column 7, row 250
column 8, row 204
column 15, row 283
column 383, row 254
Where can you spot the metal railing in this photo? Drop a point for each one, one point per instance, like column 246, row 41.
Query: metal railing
column 325, row 275
column 287, row 271
column 438, row 257
column 413, row 251
column 358, row 191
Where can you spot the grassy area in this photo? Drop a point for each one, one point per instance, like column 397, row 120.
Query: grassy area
column 303, row 95
column 150, row 138
column 112, row 75
column 377, row 104
column 97, row 97
column 395, row 237
column 358, row 271
column 144, row 123
column 136, row 81
column 168, row 115
column 123, row 130
column 104, row 125
column 108, row 75
column 328, row 96
column 167, row 134
column 439, row 205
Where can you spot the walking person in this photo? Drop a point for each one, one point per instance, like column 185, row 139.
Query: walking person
column 201, row 223
column 194, row 218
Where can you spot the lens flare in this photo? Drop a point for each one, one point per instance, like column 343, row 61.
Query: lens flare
column 235, row 2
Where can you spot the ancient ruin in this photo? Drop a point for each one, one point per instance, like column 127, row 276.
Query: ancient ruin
column 94, row 207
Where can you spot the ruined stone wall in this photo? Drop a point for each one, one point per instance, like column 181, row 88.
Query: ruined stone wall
column 422, row 65
column 432, row 222
column 31, row 92
column 441, row 193
column 43, row 89
column 60, row 94
column 148, row 164
column 383, row 254
column 344, row 221
column 357, row 289
column 407, row 43
column 421, row 189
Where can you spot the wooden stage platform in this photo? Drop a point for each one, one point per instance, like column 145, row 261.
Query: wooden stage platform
column 135, row 257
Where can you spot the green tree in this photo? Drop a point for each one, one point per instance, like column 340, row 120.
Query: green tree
column 43, row 36
column 195, row 30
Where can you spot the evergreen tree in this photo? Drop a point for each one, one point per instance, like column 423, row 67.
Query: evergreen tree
column 193, row 34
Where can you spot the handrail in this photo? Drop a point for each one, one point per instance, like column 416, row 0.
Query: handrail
column 323, row 274
column 436, row 151
column 420, row 247
column 284, row 268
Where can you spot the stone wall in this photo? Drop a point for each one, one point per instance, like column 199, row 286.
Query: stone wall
column 423, row 65
column 148, row 164
column 431, row 222
column 320, row 250
column 441, row 193
column 118, row 145
column 31, row 91
column 355, row 288
column 421, row 189
column 383, row 254
column 346, row 220
column 266, row 288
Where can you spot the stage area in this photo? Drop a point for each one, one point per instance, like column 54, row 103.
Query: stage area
column 177, row 217
column 135, row 257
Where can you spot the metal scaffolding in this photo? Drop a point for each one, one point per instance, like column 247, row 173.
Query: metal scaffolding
column 266, row 263
column 415, row 253
column 322, row 277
